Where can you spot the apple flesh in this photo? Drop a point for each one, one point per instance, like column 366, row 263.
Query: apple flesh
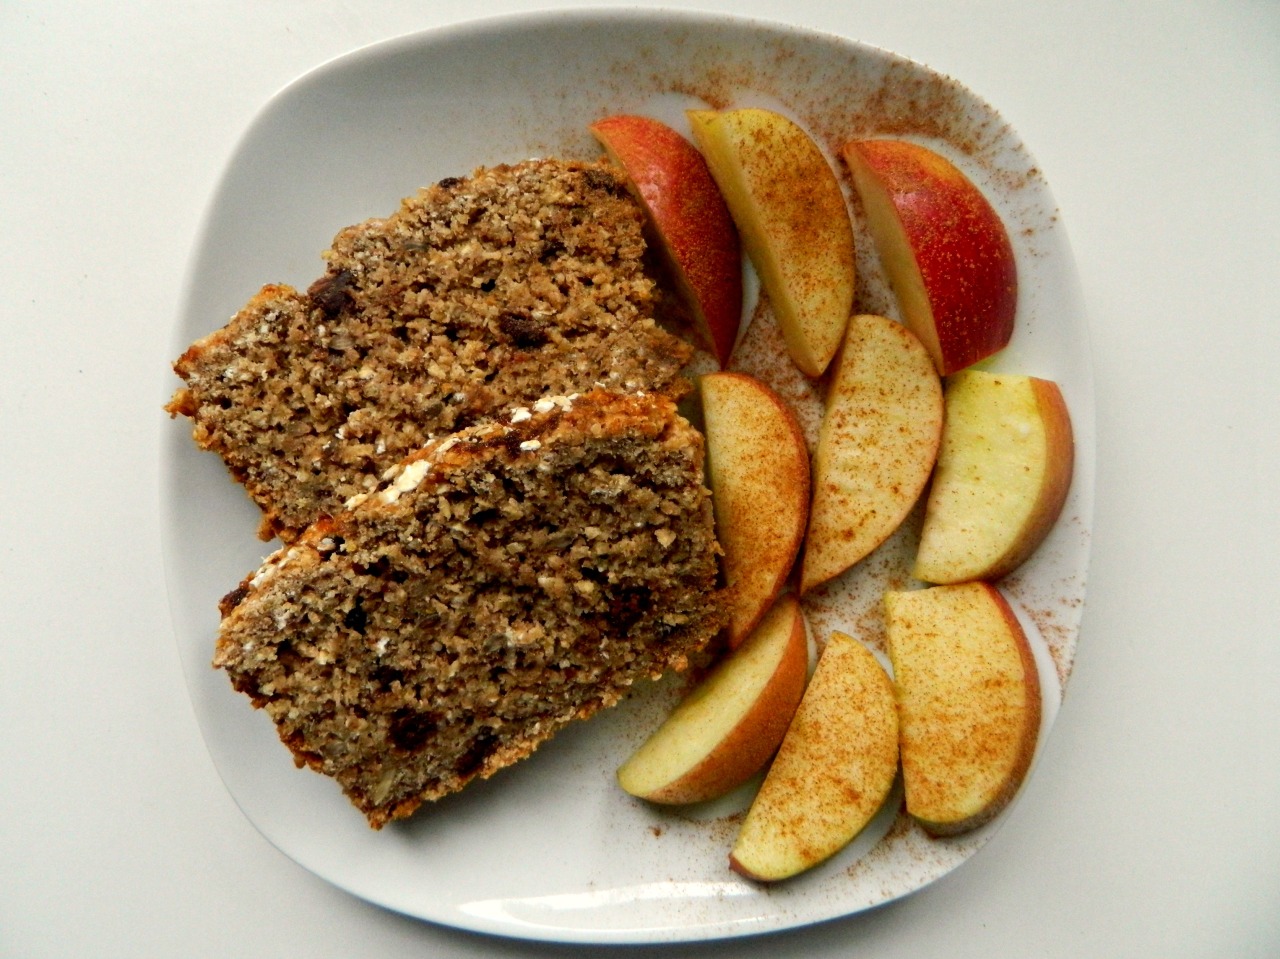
column 1004, row 469
column 696, row 235
column 876, row 447
column 943, row 246
column 726, row 729
column 833, row 771
column 968, row 699
column 758, row 470
column 791, row 215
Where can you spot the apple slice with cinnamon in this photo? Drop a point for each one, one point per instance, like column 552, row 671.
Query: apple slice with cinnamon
column 696, row 235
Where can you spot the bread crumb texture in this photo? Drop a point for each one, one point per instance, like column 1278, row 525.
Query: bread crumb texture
column 498, row 584
column 477, row 295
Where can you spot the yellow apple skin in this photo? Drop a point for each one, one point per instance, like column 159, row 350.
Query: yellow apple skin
column 945, row 249
column 876, row 447
column 726, row 729
column 1004, row 470
column 696, row 235
column 968, row 702
column 833, row 771
column 758, row 470
column 792, row 217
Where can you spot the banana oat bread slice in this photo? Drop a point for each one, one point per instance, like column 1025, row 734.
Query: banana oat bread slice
column 504, row 581
column 476, row 295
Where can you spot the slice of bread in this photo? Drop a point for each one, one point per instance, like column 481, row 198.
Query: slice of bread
column 478, row 294
column 502, row 582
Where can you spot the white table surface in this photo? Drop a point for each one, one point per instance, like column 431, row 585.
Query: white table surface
column 1152, row 824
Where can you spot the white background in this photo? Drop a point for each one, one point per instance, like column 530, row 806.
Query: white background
column 1152, row 825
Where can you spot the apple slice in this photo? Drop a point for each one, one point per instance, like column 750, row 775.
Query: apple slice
column 1004, row 468
column 726, row 729
column 876, row 448
column 833, row 771
column 792, row 217
column 968, row 702
column 945, row 250
column 696, row 236
column 758, row 470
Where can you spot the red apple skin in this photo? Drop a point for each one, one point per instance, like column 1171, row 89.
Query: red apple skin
column 697, row 236
column 960, row 245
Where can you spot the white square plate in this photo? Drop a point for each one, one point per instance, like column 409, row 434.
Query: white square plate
column 551, row 848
